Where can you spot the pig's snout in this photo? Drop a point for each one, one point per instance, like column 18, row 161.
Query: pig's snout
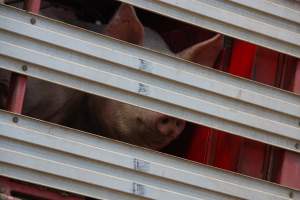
column 170, row 126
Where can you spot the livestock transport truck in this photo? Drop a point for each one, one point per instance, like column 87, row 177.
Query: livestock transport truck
column 239, row 99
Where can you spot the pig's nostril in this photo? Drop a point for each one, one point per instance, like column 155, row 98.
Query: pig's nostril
column 139, row 120
column 171, row 132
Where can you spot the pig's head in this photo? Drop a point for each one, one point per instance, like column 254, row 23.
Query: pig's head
column 133, row 124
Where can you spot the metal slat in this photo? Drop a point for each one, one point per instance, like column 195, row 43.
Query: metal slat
column 286, row 9
column 269, row 23
column 103, row 66
column 55, row 156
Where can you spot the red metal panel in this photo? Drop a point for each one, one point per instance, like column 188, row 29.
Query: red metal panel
column 266, row 66
column 17, row 90
column 227, row 150
column 253, row 159
column 288, row 172
column 32, row 5
column 202, row 145
column 296, row 84
column 242, row 59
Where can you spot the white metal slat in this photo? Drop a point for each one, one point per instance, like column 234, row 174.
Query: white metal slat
column 30, row 148
column 286, row 9
column 63, row 184
column 141, row 77
column 270, row 23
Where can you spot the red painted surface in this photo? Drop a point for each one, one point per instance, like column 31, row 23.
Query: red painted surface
column 17, row 189
column 289, row 173
column 227, row 150
column 17, row 90
column 266, row 66
column 202, row 145
column 32, row 5
column 242, row 59
column 287, row 170
column 253, row 159
column 296, row 83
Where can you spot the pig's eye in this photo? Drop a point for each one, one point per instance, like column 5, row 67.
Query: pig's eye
column 165, row 121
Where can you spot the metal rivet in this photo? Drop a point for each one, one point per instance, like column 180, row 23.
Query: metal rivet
column 15, row 119
column 24, row 67
column 291, row 195
column 32, row 20
column 297, row 145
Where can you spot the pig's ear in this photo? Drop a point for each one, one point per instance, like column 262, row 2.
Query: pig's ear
column 126, row 26
column 204, row 53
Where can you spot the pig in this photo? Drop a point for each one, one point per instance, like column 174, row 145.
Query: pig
column 111, row 118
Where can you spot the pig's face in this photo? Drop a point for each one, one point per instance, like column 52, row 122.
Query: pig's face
column 136, row 125
column 129, row 123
